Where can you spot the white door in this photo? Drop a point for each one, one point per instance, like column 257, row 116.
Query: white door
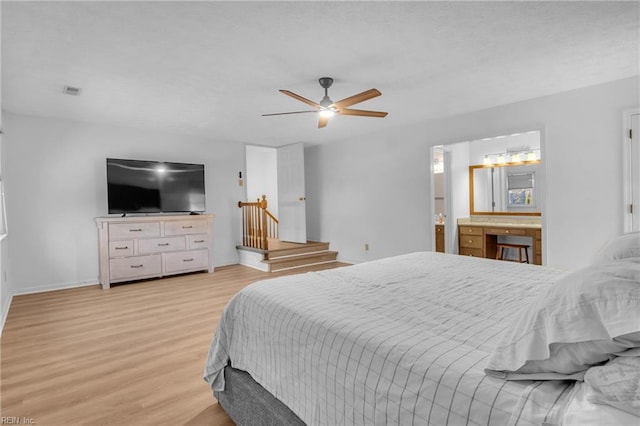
column 635, row 172
column 292, row 220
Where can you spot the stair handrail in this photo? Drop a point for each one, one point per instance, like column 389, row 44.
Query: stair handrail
column 258, row 223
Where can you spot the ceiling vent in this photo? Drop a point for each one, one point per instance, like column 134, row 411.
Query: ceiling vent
column 73, row 91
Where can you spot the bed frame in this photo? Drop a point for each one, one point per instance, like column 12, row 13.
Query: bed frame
column 248, row 403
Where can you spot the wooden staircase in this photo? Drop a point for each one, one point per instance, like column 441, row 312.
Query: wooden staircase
column 283, row 255
column 261, row 248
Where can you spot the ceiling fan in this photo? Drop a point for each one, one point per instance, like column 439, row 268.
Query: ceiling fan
column 327, row 108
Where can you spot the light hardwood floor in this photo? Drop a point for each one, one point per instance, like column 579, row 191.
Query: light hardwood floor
column 129, row 355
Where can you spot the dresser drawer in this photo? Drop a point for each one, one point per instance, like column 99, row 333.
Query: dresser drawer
column 473, row 252
column 470, row 230
column 135, row 267
column 160, row 245
column 121, row 248
column 506, row 231
column 181, row 227
column 471, row 241
column 124, row 231
column 197, row 241
column 186, row 261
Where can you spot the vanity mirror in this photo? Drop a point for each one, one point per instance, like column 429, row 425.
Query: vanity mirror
column 507, row 189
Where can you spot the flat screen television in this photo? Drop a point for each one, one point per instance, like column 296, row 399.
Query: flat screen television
column 140, row 186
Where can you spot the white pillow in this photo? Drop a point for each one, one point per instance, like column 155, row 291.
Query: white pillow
column 617, row 383
column 624, row 247
column 583, row 319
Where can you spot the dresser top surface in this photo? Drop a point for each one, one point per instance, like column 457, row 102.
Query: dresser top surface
column 152, row 218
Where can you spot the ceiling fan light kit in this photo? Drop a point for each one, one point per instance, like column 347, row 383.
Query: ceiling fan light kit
column 327, row 108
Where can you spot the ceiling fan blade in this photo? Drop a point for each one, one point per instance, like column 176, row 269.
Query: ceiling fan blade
column 363, row 113
column 300, row 98
column 355, row 99
column 323, row 121
column 287, row 113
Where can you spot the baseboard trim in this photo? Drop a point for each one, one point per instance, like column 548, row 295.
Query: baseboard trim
column 5, row 312
column 64, row 286
column 252, row 259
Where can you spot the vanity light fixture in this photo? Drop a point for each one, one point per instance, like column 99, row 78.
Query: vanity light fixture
column 518, row 155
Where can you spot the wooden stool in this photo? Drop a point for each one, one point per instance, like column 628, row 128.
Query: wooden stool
column 501, row 247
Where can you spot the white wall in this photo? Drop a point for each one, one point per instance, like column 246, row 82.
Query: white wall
column 55, row 177
column 370, row 190
column 262, row 176
column 376, row 188
column 5, row 291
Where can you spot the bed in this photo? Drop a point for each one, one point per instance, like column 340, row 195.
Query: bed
column 422, row 338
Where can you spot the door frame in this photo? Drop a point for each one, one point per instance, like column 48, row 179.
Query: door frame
column 449, row 246
column 629, row 164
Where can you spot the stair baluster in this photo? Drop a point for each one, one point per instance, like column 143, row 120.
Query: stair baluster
column 258, row 224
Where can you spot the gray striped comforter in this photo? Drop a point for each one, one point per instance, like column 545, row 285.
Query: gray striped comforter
column 397, row 341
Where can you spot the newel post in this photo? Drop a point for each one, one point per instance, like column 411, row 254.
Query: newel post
column 263, row 214
column 263, row 202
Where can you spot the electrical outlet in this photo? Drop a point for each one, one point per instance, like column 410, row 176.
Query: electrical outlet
column 366, row 246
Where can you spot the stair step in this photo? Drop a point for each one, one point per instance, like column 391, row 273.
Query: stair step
column 301, row 259
column 309, row 247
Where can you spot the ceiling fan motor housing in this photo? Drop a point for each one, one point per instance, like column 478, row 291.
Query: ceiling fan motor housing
column 325, row 82
column 326, row 102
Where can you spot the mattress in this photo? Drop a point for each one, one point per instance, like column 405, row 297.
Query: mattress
column 402, row 340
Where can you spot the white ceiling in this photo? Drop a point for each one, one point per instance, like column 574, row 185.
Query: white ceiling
column 212, row 68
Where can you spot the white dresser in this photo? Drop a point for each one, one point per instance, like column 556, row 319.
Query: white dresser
column 138, row 247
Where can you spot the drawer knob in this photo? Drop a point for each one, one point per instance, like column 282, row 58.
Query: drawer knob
column 122, row 248
column 470, row 241
column 507, row 231
column 188, row 260
column 187, row 227
column 136, row 266
column 163, row 244
column 135, row 230
column 198, row 241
